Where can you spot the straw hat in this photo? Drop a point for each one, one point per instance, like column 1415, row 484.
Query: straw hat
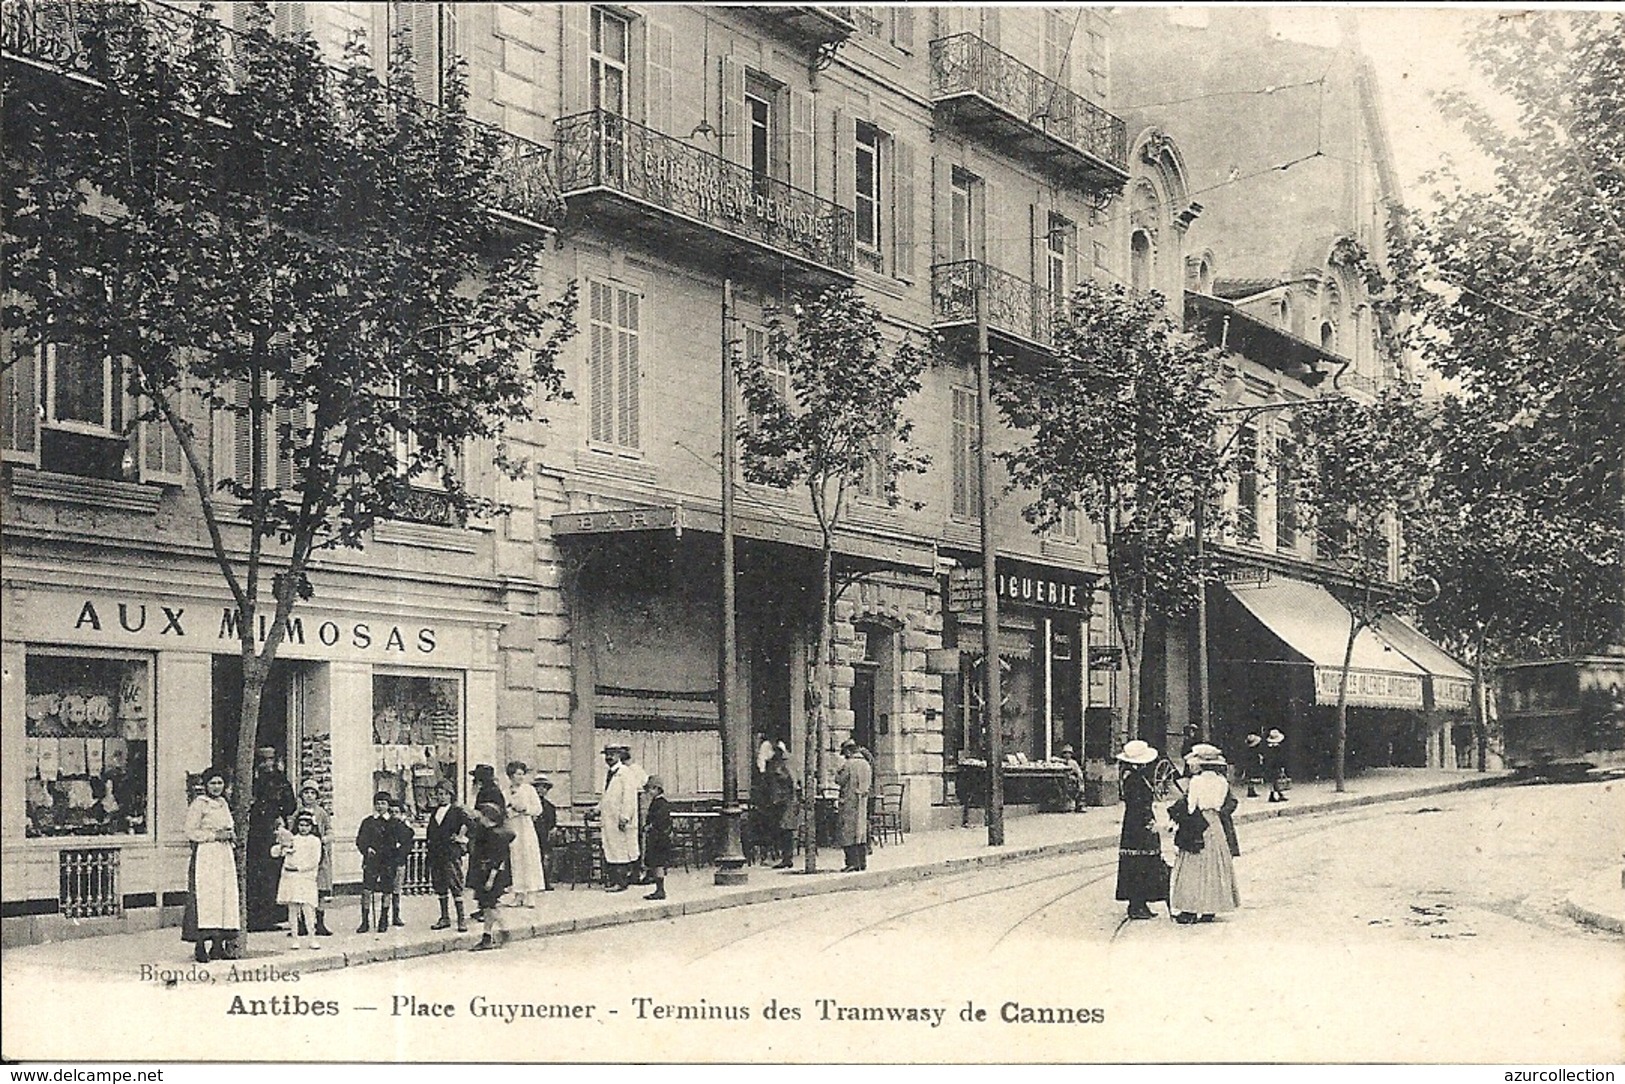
column 1137, row 752
column 1276, row 737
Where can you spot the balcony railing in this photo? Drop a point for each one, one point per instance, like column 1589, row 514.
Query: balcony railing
column 1016, row 308
column 599, row 150
column 966, row 66
column 88, row 38
column 819, row 25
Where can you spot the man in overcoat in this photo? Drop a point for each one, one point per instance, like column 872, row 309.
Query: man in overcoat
column 856, row 782
column 618, row 820
column 273, row 805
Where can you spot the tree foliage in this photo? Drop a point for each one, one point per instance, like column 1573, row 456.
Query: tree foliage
column 300, row 252
column 1121, row 426
column 834, row 425
column 1518, row 290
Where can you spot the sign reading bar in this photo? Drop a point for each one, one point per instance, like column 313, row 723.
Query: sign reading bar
column 1368, row 688
column 611, row 520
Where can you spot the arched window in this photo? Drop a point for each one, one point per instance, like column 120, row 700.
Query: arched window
column 1204, row 278
column 1286, row 311
column 1328, row 336
column 1142, row 260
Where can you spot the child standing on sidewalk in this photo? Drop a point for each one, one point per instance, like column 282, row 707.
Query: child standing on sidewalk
column 490, row 870
column 310, row 801
column 657, row 836
column 301, row 856
column 381, row 860
column 401, row 829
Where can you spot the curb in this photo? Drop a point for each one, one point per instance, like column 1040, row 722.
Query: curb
column 834, row 882
column 1581, row 904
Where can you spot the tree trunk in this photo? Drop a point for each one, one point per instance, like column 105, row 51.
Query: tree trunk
column 256, row 671
column 818, row 703
column 1343, row 704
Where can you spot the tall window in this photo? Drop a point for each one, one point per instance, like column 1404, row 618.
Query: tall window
column 1247, row 483
column 609, row 56
column 967, row 495
column 866, row 169
column 759, row 111
column 1286, row 500
column 1055, row 245
column 1141, row 258
column 961, row 222
column 613, row 322
column 871, row 485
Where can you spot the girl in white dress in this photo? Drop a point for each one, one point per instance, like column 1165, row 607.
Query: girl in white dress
column 301, row 857
column 524, row 804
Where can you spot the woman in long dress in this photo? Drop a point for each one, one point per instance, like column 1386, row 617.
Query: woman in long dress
column 1204, row 880
column 1142, row 876
column 524, row 804
column 212, row 914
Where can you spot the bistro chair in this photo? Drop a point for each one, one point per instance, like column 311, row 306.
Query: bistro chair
column 886, row 813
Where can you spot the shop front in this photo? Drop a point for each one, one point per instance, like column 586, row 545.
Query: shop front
column 1277, row 663
column 114, row 701
column 1043, row 649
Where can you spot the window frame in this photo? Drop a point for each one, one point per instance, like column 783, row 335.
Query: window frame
column 600, row 63
column 1056, row 263
column 1247, row 484
column 962, row 199
column 868, row 139
column 623, row 413
column 964, row 503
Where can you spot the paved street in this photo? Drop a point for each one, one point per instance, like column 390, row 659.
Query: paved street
column 1428, row 929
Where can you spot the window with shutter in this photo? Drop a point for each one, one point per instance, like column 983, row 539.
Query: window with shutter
column 866, row 177
column 614, row 378
column 967, row 494
column 1247, row 484
column 161, row 459
column 418, row 26
column 871, row 485
column 19, row 406
column 234, row 440
column 1286, row 499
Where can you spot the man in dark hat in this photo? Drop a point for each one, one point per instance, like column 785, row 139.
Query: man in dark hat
column 546, row 821
column 273, row 805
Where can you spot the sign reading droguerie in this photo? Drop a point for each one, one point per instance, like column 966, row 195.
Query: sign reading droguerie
column 1022, row 584
column 110, row 620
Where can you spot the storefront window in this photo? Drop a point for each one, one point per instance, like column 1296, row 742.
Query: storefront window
column 417, row 735
column 88, row 735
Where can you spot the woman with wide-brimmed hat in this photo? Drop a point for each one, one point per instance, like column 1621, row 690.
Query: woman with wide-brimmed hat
column 1204, row 878
column 1142, row 876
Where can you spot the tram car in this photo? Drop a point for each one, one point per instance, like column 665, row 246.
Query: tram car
column 1562, row 718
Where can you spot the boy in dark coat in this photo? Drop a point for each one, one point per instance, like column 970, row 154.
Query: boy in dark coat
column 447, row 839
column 381, row 860
column 401, row 829
column 490, row 871
column 546, row 821
column 657, row 836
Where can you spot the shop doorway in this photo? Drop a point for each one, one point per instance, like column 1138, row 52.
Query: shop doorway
column 872, row 698
column 280, row 712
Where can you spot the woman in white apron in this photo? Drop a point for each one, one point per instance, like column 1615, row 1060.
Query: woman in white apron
column 212, row 914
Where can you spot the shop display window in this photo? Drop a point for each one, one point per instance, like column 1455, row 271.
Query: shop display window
column 88, row 742
column 417, row 733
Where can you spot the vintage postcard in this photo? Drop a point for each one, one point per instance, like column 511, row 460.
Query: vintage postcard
column 772, row 534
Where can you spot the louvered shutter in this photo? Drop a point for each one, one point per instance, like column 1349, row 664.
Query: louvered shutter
column 658, row 96
column 19, row 404
column 161, row 459
column 994, row 239
column 627, row 368
column 846, row 166
column 735, row 127
column 903, row 231
column 965, row 499
column 600, row 363
column 242, row 437
column 290, row 19
column 280, row 442
column 575, row 52
column 802, row 113
column 942, row 209
column 902, row 32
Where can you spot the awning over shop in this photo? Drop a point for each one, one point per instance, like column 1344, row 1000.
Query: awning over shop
column 1310, row 622
column 747, row 525
column 1452, row 682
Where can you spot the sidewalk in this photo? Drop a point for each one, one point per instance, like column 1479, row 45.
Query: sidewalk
column 1599, row 900
column 566, row 910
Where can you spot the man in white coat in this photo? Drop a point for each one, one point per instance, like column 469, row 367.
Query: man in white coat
column 618, row 817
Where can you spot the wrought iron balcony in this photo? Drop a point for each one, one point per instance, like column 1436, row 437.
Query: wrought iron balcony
column 675, row 195
column 1020, row 314
column 818, row 26
column 87, row 38
column 989, row 91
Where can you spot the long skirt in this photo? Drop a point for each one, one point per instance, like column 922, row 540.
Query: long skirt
column 525, row 855
column 1204, row 883
column 211, row 892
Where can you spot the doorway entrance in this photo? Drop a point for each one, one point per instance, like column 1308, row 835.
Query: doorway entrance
column 280, row 712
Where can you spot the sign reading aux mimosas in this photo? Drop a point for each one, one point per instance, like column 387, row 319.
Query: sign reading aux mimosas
column 200, row 626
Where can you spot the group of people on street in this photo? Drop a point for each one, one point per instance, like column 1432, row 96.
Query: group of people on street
column 1200, row 883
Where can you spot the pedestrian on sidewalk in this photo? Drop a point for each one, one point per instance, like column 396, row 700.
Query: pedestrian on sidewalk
column 1073, row 780
column 1204, row 878
column 380, row 863
column 523, row 806
column 490, row 870
column 856, row 781
column 546, row 822
column 657, row 836
column 1142, row 875
column 310, row 802
column 618, row 821
column 301, row 854
column 401, row 829
column 782, row 815
column 1275, row 769
column 211, row 917
column 273, row 803
column 1252, row 763
column 447, row 843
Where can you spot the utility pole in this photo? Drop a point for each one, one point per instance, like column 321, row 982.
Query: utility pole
column 991, row 693
column 731, row 862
